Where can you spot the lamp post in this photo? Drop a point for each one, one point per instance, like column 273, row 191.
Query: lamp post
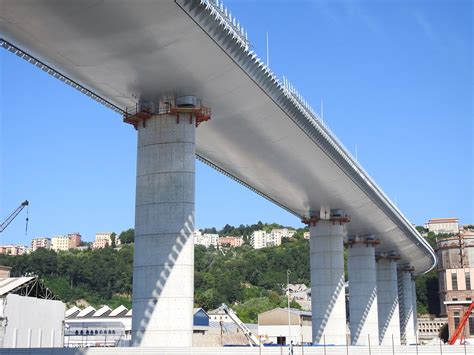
column 288, row 298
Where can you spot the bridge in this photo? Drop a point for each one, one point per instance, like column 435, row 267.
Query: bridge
column 182, row 73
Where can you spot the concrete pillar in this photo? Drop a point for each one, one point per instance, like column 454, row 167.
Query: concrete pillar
column 163, row 270
column 362, row 290
column 327, row 281
column 415, row 315
column 407, row 324
column 387, row 301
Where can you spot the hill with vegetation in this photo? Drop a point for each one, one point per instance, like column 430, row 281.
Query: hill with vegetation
column 251, row 280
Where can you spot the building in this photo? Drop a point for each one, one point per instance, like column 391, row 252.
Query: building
column 219, row 315
column 306, row 235
column 231, row 241
column 106, row 327
column 74, row 240
column 273, row 326
column 206, row 239
column 103, row 240
column 30, row 315
column 60, row 243
column 261, row 239
column 429, row 328
column 456, row 279
column 443, row 225
column 258, row 239
column 301, row 294
column 13, row 249
column 278, row 234
column 40, row 242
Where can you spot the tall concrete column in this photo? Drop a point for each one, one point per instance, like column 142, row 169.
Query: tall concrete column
column 362, row 290
column 415, row 314
column 328, row 304
column 163, row 269
column 387, row 300
column 407, row 324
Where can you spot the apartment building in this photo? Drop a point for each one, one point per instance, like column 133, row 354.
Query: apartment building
column 258, row 239
column 103, row 240
column 231, row 241
column 261, row 239
column 60, row 243
column 206, row 239
column 40, row 242
column 13, row 249
column 74, row 240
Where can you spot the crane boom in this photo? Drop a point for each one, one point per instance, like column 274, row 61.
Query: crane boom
column 253, row 340
column 12, row 216
column 461, row 325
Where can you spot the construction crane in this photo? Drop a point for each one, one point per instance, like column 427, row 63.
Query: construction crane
column 460, row 328
column 253, row 340
column 12, row 216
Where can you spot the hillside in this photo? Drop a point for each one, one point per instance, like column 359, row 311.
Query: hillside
column 250, row 280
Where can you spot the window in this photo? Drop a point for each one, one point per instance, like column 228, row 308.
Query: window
column 456, row 319
column 471, row 325
column 454, row 280
column 77, row 332
column 468, row 280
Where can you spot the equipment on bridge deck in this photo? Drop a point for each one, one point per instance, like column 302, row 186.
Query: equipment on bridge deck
column 253, row 340
column 168, row 105
column 12, row 216
column 459, row 330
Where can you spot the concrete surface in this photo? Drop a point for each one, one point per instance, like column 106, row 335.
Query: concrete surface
column 407, row 323
column 387, row 301
column 163, row 269
column 327, row 282
column 362, row 294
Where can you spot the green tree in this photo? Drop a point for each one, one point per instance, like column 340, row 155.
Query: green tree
column 127, row 236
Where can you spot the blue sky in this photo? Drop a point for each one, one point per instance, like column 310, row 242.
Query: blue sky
column 396, row 79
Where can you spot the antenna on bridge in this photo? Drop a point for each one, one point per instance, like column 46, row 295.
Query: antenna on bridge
column 268, row 55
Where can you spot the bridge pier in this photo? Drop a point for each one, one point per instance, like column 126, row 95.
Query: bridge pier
column 387, row 299
column 408, row 306
column 163, row 268
column 362, row 290
column 328, row 305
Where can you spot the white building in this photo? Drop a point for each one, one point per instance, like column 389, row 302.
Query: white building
column 60, row 243
column 258, row 239
column 282, row 233
column 206, row 239
column 30, row 317
column 219, row 315
column 273, row 326
column 40, row 242
column 443, row 225
column 106, row 327
column 261, row 239
column 428, row 328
